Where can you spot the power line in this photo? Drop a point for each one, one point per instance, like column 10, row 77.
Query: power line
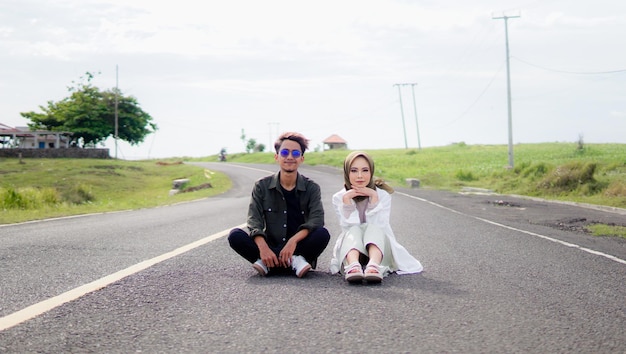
column 572, row 72
column 477, row 98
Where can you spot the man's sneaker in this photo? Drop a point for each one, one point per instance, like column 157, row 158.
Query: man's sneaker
column 260, row 267
column 300, row 266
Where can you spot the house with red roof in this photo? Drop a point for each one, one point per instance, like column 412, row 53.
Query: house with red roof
column 335, row 142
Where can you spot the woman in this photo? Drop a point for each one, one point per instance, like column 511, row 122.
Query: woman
column 363, row 208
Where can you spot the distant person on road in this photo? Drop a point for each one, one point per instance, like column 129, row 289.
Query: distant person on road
column 366, row 249
column 285, row 216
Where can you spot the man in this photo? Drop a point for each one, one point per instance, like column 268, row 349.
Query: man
column 285, row 216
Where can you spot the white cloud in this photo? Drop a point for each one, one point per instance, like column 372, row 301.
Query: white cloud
column 618, row 114
column 206, row 70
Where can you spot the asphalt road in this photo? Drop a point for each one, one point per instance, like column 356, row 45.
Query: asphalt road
column 501, row 274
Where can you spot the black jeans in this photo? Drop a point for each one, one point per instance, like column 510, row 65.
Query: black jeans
column 310, row 248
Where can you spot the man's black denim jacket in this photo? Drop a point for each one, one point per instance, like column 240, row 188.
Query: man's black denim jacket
column 267, row 213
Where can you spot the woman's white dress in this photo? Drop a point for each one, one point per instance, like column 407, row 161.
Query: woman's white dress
column 400, row 261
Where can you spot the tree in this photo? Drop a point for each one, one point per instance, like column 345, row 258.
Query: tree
column 90, row 114
column 250, row 145
column 243, row 138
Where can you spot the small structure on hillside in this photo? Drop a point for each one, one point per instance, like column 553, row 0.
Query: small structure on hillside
column 335, row 142
column 21, row 142
column 24, row 138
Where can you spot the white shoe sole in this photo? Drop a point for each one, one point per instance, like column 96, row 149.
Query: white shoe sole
column 259, row 269
column 304, row 270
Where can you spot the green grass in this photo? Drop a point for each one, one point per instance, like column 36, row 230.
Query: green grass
column 42, row 188
column 45, row 188
column 595, row 174
column 607, row 230
column 592, row 173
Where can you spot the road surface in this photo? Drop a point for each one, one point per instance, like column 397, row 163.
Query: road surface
column 501, row 274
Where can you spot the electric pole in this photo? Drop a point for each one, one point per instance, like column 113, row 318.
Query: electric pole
column 412, row 84
column 270, row 147
column 419, row 143
column 508, row 84
column 406, row 146
column 116, row 114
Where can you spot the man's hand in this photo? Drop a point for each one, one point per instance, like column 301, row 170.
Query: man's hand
column 287, row 252
column 290, row 247
column 267, row 255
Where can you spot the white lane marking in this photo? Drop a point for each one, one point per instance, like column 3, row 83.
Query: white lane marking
column 240, row 166
column 254, row 168
column 61, row 218
column 49, row 304
column 584, row 249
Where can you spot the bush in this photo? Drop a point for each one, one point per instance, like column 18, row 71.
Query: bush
column 520, row 167
column 616, row 189
column 79, row 194
column 535, row 170
column 49, row 196
column 411, row 152
column 465, row 176
column 569, row 177
column 27, row 198
column 10, row 199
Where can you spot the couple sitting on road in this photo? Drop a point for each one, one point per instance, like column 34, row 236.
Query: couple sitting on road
column 285, row 222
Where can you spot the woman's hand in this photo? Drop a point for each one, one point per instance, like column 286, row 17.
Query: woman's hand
column 360, row 192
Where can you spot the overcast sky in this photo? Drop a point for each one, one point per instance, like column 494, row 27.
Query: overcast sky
column 206, row 70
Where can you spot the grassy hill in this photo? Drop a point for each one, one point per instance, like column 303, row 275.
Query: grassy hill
column 593, row 173
column 42, row 188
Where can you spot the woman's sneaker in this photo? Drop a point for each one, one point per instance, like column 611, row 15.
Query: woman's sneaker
column 260, row 267
column 300, row 266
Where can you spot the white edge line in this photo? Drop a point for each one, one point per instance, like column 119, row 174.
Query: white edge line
column 39, row 308
column 252, row 168
column 588, row 250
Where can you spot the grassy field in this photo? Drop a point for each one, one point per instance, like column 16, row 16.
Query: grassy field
column 591, row 174
column 40, row 188
column 45, row 188
column 595, row 173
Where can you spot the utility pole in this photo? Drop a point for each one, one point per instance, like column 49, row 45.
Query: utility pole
column 412, row 84
column 270, row 147
column 508, row 84
column 116, row 114
column 419, row 143
column 406, row 146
